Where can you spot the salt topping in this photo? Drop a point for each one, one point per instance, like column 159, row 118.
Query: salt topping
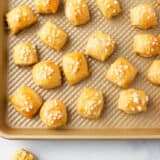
column 47, row 71
column 58, row 33
column 135, row 98
column 17, row 17
column 147, row 98
column 152, row 49
column 149, row 17
column 49, row 39
column 24, row 13
column 79, row 1
column 156, row 73
column 109, row 43
column 84, row 6
column 21, row 13
column 126, row 67
column 154, row 42
column 119, row 83
column 133, row 109
column 115, row 2
column 139, row 108
column 28, row 105
column 25, row 52
column 55, row 103
column 56, row 115
column 91, row 106
column 77, row 11
column 114, row 11
column 148, row 12
column 97, row 94
column 152, row 45
column 55, row 33
column 48, row 2
column 108, row 6
column 119, row 71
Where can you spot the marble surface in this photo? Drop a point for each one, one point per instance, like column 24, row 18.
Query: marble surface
column 84, row 150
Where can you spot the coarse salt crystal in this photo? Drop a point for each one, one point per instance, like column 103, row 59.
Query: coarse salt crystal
column 133, row 109
column 139, row 108
column 108, row 6
column 114, row 11
column 115, row 2
column 147, row 98
column 136, row 99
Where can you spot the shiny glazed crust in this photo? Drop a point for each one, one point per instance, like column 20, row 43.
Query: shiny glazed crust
column 54, row 113
column 75, row 67
column 90, row 103
column 20, row 18
column 26, row 101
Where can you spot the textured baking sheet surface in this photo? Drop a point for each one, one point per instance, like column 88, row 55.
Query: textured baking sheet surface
column 122, row 31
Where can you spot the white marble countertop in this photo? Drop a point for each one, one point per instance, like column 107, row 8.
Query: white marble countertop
column 84, row 150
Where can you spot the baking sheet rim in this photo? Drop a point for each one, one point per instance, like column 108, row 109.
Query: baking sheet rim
column 8, row 133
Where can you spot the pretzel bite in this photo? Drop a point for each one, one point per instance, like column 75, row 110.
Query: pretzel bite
column 54, row 113
column 25, row 54
column 143, row 16
column 77, row 12
column 26, row 101
column 75, row 67
column 20, row 18
column 133, row 101
column 47, row 74
column 153, row 74
column 53, row 36
column 100, row 46
column 121, row 73
column 90, row 103
column 146, row 45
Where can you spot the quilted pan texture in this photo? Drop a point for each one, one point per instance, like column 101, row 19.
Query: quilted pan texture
column 122, row 31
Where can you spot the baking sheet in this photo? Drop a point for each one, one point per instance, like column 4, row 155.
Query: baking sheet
column 113, row 123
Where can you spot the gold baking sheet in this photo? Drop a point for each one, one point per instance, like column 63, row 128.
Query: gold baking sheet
column 113, row 124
